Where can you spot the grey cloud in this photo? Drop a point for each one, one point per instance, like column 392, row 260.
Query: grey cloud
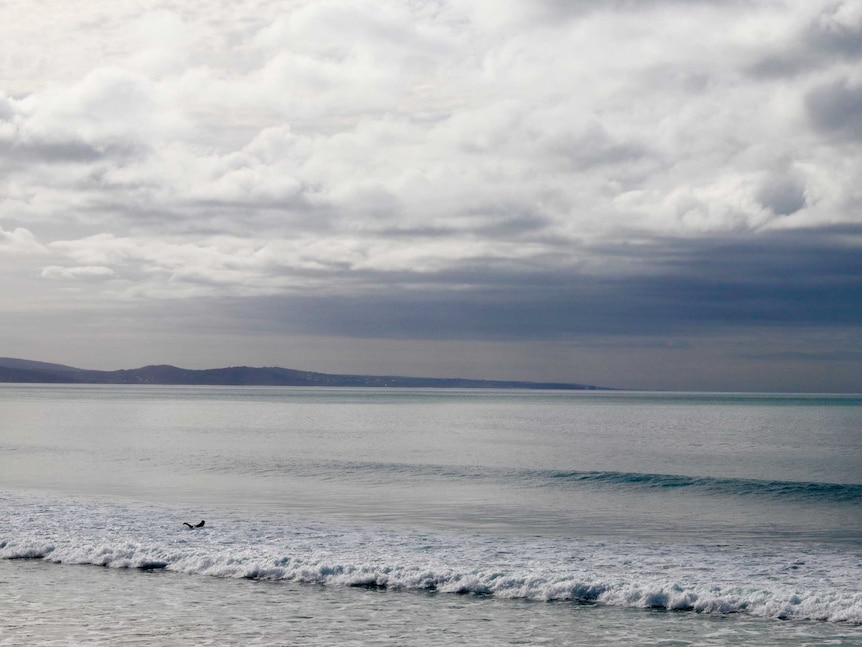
column 837, row 39
column 782, row 193
column 822, row 41
column 592, row 148
column 554, row 11
column 506, row 222
column 514, row 223
column 69, row 151
column 788, row 279
column 844, row 356
column 836, row 108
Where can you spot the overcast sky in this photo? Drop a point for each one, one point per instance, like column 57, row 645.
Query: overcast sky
column 653, row 194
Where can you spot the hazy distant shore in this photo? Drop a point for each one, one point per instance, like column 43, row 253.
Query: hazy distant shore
column 22, row 371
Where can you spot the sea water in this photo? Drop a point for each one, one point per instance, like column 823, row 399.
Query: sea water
column 425, row 517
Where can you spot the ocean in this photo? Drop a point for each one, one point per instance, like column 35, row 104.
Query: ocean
column 427, row 517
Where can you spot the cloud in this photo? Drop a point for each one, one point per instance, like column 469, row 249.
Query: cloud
column 782, row 191
column 86, row 272
column 799, row 278
column 815, row 38
column 438, row 170
column 110, row 108
column 19, row 241
column 836, row 109
column 335, row 113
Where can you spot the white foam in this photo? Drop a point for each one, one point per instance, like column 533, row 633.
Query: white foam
column 775, row 581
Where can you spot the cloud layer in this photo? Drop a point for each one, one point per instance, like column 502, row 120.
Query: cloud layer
column 437, row 170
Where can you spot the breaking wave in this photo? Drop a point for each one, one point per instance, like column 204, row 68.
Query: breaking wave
column 772, row 581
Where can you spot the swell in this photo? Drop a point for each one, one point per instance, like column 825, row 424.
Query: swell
column 790, row 490
column 812, row 492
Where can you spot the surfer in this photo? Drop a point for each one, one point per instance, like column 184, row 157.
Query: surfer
column 200, row 525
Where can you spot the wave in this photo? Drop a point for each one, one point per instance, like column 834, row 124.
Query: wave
column 634, row 591
column 796, row 490
column 799, row 491
column 767, row 581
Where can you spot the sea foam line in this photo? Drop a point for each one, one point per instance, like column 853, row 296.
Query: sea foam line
column 764, row 582
column 637, row 591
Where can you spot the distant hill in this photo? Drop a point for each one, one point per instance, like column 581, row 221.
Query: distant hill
column 29, row 365
column 26, row 371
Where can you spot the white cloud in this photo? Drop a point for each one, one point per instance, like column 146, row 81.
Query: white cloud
column 110, row 105
column 20, row 241
column 85, row 272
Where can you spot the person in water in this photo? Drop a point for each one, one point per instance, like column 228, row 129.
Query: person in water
column 200, row 525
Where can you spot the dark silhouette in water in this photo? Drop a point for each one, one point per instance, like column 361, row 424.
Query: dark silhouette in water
column 200, row 525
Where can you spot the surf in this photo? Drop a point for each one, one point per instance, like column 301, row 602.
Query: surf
column 781, row 581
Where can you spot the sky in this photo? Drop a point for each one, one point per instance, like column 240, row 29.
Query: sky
column 662, row 194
